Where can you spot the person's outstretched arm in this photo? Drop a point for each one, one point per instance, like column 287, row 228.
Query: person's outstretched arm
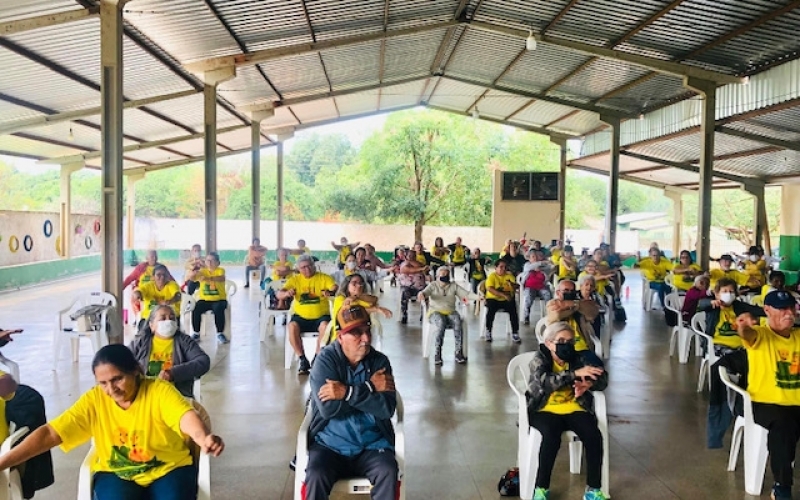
column 37, row 442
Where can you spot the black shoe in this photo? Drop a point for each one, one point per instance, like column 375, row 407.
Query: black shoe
column 460, row 358
column 437, row 359
column 247, row 285
column 526, row 321
column 304, row 366
column 293, row 462
column 404, row 319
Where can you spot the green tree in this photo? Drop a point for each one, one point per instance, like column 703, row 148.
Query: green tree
column 309, row 155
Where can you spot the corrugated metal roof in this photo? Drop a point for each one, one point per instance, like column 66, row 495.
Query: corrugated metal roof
column 581, row 122
column 778, row 163
column 316, row 111
column 21, row 9
column 411, row 55
column 687, row 147
column 599, row 78
column 401, row 95
column 455, row 95
column 297, row 76
column 353, row 66
column 249, row 87
column 543, row 67
column 499, row 105
column 494, row 51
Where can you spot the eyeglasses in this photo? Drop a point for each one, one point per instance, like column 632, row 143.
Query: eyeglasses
column 360, row 332
column 306, row 266
column 564, row 341
column 160, row 275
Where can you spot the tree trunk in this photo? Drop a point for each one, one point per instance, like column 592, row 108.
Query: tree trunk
column 418, row 230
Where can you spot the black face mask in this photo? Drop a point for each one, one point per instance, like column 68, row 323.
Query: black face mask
column 566, row 352
column 570, row 295
column 444, row 279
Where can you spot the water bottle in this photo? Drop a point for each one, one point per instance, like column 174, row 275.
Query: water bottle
column 627, row 292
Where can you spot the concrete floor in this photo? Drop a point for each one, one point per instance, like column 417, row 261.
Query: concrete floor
column 460, row 420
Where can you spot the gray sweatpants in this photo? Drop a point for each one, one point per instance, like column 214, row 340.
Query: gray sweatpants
column 440, row 322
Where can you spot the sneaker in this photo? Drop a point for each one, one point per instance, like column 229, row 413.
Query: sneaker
column 293, row 463
column 247, row 285
column 594, row 494
column 222, row 339
column 541, row 494
column 488, row 336
column 515, row 338
column 526, row 321
column 303, row 366
column 437, row 359
column 196, row 336
column 781, row 492
column 460, row 359
column 404, row 319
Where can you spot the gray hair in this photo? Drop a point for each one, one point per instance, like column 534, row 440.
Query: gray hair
column 701, row 277
column 566, row 281
column 442, row 268
column 554, row 329
column 586, row 277
column 304, row 258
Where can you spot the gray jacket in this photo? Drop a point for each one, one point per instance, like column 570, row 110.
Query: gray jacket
column 332, row 364
column 189, row 361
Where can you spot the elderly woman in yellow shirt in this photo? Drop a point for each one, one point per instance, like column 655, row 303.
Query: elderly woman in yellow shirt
column 655, row 269
column 161, row 291
column 351, row 292
column 212, row 297
column 139, row 427
column 685, row 271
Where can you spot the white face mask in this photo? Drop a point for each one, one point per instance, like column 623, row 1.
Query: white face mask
column 167, row 328
column 350, row 265
column 727, row 297
column 753, row 258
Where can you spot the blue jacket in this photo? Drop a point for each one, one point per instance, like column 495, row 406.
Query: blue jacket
column 332, row 364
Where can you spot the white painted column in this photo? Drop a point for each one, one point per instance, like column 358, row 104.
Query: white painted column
column 65, row 209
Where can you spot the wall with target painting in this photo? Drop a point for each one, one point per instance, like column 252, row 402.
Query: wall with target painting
column 27, row 237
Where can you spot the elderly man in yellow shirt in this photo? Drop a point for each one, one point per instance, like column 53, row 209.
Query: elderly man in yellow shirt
column 726, row 270
column 773, row 358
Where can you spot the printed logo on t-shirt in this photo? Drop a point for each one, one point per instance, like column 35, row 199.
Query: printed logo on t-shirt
column 128, row 457
column 210, row 289
column 309, row 297
column 787, row 373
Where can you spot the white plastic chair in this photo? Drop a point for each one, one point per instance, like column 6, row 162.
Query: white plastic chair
column 648, row 294
column 309, row 340
column 427, row 337
column 521, row 298
column 11, row 367
column 680, row 339
column 10, row 481
column 709, row 358
column 755, row 441
column 187, row 306
column 255, row 280
column 66, row 328
column 529, row 440
column 352, row 486
column 268, row 317
column 207, row 320
column 541, row 325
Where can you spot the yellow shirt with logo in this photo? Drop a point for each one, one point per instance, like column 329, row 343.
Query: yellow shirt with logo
column 725, row 332
column 152, row 296
column 755, row 272
column 337, row 304
column 309, row 302
column 278, row 263
column 686, row 281
column 478, row 273
column 146, row 276
column 655, row 272
column 3, row 424
column 580, row 342
column 504, row 283
column 160, row 356
column 564, row 272
column 211, row 291
column 774, row 367
column 740, row 278
column 555, row 255
column 459, row 255
column 343, row 253
column 562, row 401
column 140, row 444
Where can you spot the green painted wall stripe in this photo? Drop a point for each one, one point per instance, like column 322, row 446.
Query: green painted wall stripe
column 39, row 272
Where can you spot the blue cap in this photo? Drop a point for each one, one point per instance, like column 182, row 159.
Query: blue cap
column 780, row 299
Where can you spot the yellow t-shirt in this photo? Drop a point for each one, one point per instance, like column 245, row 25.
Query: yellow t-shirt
column 278, row 263
column 422, row 260
column 337, row 304
column 3, row 424
column 685, row 281
column 655, row 272
column 555, row 255
column 774, row 367
column 160, row 356
column 309, row 303
column 725, row 333
column 580, row 342
column 211, row 291
column 306, row 251
column 478, row 272
column 504, row 283
column 151, row 296
column 147, row 276
column 343, row 253
column 740, row 278
column 562, row 401
column 600, row 285
column 756, row 268
column 141, row 444
column 459, row 255
column 563, row 272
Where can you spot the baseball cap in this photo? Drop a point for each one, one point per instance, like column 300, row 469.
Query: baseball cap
column 726, row 256
column 352, row 317
column 780, row 299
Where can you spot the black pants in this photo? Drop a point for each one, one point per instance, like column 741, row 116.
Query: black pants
column 509, row 306
column 202, row 306
column 192, row 286
column 783, row 424
column 408, row 292
column 325, row 467
column 582, row 423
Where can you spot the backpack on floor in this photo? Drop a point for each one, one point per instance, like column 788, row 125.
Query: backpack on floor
column 509, row 483
column 619, row 315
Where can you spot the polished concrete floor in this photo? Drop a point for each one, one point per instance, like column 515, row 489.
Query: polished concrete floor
column 460, row 420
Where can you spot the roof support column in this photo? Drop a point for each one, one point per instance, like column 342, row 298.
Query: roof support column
column 111, row 124
column 561, row 142
column 283, row 135
column 677, row 220
column 761, row 226
column 65, row 215
column 613, row 181
column 131, row 208
column 211, row 80
column 256, row 116
column 708, row 90
column 790, row 229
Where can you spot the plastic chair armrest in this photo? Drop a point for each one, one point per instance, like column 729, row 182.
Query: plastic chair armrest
column 85, row 476
column 726, row 379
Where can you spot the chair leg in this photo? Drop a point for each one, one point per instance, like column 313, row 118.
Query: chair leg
column 736, row 443
column 755, row 461
column 702, row 376
column 75, row 344
column 575, row 456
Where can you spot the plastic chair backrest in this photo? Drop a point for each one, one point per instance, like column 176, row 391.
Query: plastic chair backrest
column 541, row 325
column 231, row 288
column 518, row 372
column 672, row 302
column 699, row 323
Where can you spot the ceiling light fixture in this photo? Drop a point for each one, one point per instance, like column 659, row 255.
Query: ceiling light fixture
column 530, row 42
column 71, row 135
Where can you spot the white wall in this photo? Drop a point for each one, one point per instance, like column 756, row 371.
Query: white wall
column 17, row 225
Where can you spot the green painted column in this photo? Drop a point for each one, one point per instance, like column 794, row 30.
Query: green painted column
column 790, row 229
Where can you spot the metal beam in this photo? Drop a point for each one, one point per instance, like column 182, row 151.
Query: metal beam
column 562, row 118
column 791, row 145
column 529, row 128
column 624, row 177
column 260, row 56
column 559, row 16
column 655, row 17
column 84, row 113
column 137, row 147
column 690, row 167
column 658, row 65
column 519, row 110
column 535, row 95
column 9, row 28
column 182, row 162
